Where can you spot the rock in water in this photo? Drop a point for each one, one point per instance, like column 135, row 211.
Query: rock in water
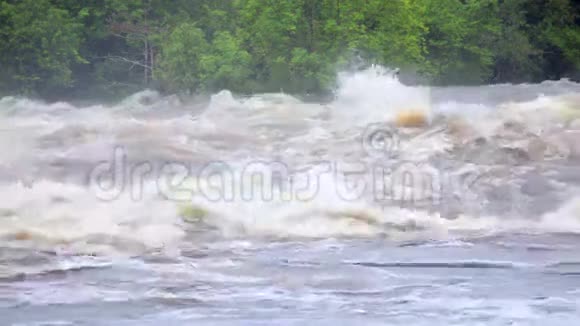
column 411, row 119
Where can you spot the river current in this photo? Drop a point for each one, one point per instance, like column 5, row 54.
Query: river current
column 271, row 210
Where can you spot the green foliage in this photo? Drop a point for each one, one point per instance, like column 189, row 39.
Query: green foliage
column 461, row 39
column 309, row 71
column 558, row 35
column 227, row 65
column 181, row 57
column 189, row 62
column 394, row 31
column 111, row 47
column 517, row 59
column 40, row 44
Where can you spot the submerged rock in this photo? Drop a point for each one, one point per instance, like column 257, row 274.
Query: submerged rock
column 411, row 119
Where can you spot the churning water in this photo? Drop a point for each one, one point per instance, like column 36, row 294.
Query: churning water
column 268, row 210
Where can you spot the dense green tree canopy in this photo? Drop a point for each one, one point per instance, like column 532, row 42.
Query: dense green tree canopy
column 39, row 45
column 110, row 47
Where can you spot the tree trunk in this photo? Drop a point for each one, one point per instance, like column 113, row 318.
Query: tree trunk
column 152, row 63
column 338, row 12
column 146, row 62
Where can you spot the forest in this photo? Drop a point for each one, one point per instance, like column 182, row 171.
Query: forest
column 57, row 49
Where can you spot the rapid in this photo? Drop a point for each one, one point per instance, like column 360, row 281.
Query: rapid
column 230, row 209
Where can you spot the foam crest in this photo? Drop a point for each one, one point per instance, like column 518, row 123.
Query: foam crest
column 52, row 215
column 376, row 94
column 154, row 128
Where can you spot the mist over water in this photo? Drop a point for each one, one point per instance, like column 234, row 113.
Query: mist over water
column 242, row 209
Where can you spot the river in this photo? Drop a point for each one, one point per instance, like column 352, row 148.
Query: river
column 268, row 209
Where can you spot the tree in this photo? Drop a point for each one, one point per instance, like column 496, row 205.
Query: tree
column 516, row 58
column 226, row 66
column 394, row 32
column 112, row 47
column 39, row 44
column 137, row 28
column 180, row 62
column 558, row 34
column 460, row 40
column 269, row 30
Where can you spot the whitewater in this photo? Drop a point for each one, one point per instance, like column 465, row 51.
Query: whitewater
column 271, row 209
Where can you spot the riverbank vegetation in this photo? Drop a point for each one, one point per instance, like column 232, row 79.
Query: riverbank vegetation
column 70, row 48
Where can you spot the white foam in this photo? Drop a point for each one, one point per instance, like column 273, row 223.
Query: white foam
column 51, row 215
column 54, row 214
column 376, row 95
